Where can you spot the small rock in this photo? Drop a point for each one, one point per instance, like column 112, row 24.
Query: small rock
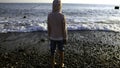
column 24, row 17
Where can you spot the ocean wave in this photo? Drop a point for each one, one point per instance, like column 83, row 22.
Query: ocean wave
column 30, row 25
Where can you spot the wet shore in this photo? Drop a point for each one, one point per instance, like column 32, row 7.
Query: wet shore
column 85, row 49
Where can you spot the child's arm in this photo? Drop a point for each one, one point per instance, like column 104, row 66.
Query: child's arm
column 48, row 27
column 64, row 30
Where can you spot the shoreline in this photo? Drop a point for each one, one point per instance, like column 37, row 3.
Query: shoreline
column 93, row 49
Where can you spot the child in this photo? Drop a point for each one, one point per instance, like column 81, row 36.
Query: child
column 57, row 32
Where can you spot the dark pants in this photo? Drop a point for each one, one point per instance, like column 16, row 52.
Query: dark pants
column 56, row 44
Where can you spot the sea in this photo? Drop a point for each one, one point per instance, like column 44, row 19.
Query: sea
column 28, row 17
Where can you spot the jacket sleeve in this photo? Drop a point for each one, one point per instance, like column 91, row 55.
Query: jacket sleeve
column 48, row 26
column 64, row 28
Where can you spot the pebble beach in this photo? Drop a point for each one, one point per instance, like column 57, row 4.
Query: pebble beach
column 85, row 49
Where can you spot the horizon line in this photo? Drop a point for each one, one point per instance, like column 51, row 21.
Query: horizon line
column 63, row 3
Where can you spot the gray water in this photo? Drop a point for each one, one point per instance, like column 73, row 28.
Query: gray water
column 78, row 17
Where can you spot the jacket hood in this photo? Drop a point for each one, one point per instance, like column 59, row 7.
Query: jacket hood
column 56, row 7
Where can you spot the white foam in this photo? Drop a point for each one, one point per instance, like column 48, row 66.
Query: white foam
column 33, row 23
column 95, row 26
column 28, row 25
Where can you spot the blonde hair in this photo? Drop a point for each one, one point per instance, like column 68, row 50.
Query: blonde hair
column 56, row 7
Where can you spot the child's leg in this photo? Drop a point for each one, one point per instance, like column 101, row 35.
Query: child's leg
column 61, row 53
column 52, row 61
column 52, row 48
column 61, row 59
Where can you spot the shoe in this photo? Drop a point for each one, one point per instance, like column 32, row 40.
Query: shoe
column 63, row 66
column 55, row 63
